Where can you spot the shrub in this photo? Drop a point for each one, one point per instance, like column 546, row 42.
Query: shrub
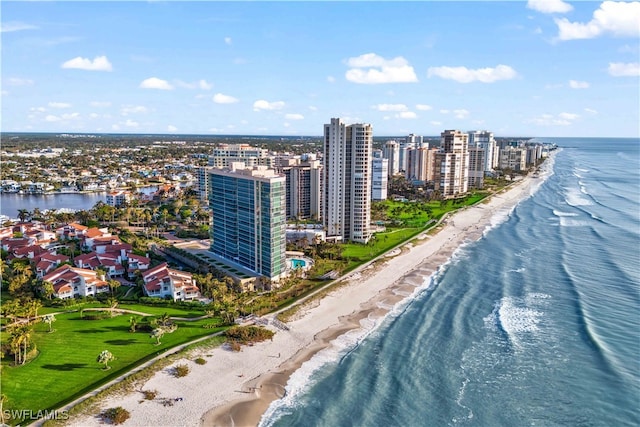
column 116, row 415
column 200, row 361
column 150, row 394
column 181, row 371
column 234, row 345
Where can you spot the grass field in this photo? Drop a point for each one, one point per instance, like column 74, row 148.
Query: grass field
column 66, row 366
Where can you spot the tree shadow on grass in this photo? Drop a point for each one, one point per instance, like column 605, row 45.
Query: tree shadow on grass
column 90, row 331
column 122, row 342
column 118, row 328
column 65, row 366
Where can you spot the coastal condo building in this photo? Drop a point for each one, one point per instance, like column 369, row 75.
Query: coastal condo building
column 224, row 155
column 347, row 180
column 379, row 176
column 391, row 151
column 453, row 163
column 304, row 185
column 249, row 224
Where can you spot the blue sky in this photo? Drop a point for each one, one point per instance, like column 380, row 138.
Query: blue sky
column 536, row 68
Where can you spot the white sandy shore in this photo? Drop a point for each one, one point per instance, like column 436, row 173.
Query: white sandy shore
column 236, row 388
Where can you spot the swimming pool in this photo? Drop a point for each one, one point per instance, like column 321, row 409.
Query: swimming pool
column 298, row 263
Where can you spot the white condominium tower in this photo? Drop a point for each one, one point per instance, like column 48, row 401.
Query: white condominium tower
column 453, row 160
column 347, row 180
column 485, row 139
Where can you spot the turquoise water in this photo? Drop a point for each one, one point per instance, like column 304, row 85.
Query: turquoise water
column 298, row 263
column 535, row 324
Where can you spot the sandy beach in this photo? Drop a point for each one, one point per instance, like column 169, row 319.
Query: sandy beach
column 236, row 388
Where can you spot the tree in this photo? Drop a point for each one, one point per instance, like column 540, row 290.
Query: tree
column 49, row 319
column 32, row 308
column 105, row 357
column 47, row 289
column 157, row 333
column 23, row 214
column 114, row 284
column 133, row 321
column 112, row 303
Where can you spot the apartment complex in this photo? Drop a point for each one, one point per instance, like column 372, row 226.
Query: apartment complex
column 347, row 180
column 451, row 177
column 303, row 186
column 248, row 208
column 379, row 178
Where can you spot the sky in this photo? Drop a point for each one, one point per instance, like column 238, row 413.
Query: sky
column 538, row 68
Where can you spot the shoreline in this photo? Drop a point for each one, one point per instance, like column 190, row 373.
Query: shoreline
column 238, row 388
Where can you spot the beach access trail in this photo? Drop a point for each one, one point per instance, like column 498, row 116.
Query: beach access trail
column 236, row 388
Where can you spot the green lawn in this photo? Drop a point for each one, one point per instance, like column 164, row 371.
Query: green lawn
column 66, row 366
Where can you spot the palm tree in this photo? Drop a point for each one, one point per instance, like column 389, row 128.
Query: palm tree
column 157, row 333
column 133, row 321
column 105, row 357
column 112, row 303
column 49, row 319
column 23, row 214
column 33, row 308
column 47, row 289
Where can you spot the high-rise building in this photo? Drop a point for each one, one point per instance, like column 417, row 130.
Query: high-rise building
column 453, row 164
column 347, row 180
column 249, row 224
column 514, row 158
column 391, row 151
column 304, row 186
column 225, row 154
column 476, row 167
column 379, row 178
column 421, row 164
column 485, row 139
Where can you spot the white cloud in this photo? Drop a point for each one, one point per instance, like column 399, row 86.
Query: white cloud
column 37, row 109
column 16, row 81
column 200, row 84
column 620, row 69
column 133, row 109
column 373, row 69
column 562, row 119
column 4, row 92
column 227, row 40
column 294, row 116
column 466, row 75
column 9, row 27
column 435, row 123
column 99, row 63
column 619, row 19
column 575, row 84
column 131, row 123
column 461, row 113
column 331, row 79
column 266, row 105
column 219, row 98
column 423, row 107
column 94, row 115
column 100, row 104
column 155, row 83
column 591, row 111
column 67, row 116
column 549, row 6
column 171, row 128
column 406, row 115
column 59, row 105
column 568, row 116
column 390, row 107
column 313, row 108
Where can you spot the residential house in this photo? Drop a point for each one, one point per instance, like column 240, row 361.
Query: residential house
column 162, row 282
column 48, row 262
column 71, row 282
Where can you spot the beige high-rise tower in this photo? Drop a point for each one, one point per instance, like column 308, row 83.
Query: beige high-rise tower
column 452, row 163
column 347, row 180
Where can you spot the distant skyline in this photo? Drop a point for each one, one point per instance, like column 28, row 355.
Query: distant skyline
column 542, row 68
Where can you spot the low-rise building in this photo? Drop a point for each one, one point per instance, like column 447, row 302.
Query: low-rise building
column 71, row 282
column 162, row 282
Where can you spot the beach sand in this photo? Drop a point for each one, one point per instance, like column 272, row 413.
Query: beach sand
column 236, row 388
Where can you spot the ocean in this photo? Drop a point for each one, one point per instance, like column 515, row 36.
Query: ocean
column 535, row 324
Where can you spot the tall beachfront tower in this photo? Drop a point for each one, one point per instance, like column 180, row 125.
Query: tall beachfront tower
column 347, row 180
column 486, row 140
column 249, row 224
column 391, row 151
column 453, row 160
